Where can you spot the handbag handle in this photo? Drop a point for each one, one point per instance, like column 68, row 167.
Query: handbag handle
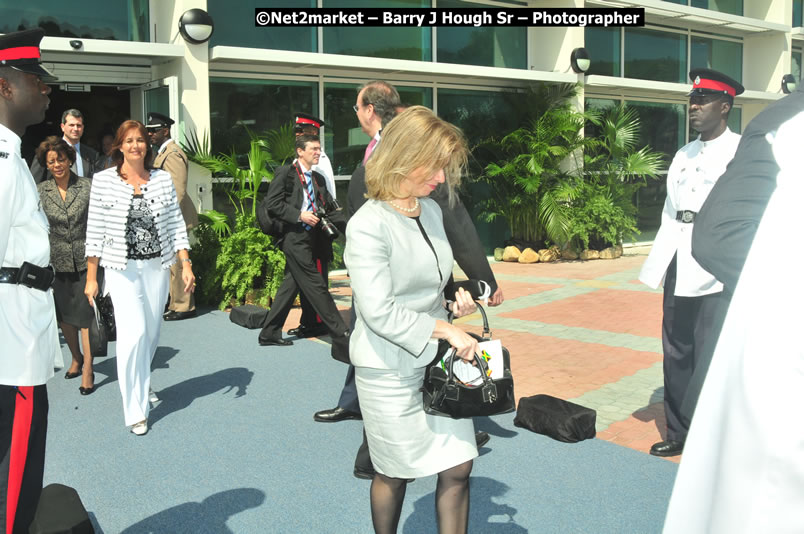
column 489, row 388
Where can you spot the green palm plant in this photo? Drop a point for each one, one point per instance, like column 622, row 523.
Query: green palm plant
column 532, row 178
column 603, row 212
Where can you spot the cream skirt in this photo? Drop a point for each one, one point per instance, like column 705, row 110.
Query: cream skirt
column 404, row 441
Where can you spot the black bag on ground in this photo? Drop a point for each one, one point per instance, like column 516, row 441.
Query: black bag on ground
column 60, row 511
column 559, row 419
column 248, row 315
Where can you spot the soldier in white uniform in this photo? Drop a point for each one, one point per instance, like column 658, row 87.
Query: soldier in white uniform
column 691, row 294
column 27, row 313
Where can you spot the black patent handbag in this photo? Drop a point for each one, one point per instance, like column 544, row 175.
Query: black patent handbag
column 444, row 395
column 103, row 329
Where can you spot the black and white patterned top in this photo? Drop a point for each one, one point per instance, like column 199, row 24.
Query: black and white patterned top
column 142, row 238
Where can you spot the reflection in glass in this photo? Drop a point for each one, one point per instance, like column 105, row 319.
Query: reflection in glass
column 88, row 19
column 487, row 46
column 797, row 10
column 795, row 64
column 735, row 7
column 603, row 45
column 345, row 140
column 238, row 106
column 655, row 55
column 723, row 56
column 386, row 42
column 234, row 26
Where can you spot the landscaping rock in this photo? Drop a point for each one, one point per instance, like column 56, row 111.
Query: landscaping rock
column 498, row 254
column 569, row 254
column 608, row 254
column 529, row 256
column 590, row 254
column 618, row 251
column 511, row 254
column 549, row 254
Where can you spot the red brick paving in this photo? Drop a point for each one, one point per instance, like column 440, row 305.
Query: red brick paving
column 611, row 310
column 513, row 290
column 583, row 270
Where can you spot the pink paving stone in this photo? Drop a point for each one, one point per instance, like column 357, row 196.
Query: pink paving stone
column 512, row 290
column 583, row 270
column 567, row 368
column 611, row 310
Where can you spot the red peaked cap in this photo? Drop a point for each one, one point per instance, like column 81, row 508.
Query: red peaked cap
column 303, row 119
column 20, row 51
column 708, row 81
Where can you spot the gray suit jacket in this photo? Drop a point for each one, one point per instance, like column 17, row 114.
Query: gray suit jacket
column 68, row 222
column 397, row 285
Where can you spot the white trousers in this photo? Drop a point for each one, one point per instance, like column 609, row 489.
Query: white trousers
column 139, row 294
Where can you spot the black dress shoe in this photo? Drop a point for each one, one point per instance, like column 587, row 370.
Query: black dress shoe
column 667, row 448
column 68, row 375
column 298, row 331
column 174, row 315
column 335, row 415
column 481, row 438
column 302, row 331
column 277, row 342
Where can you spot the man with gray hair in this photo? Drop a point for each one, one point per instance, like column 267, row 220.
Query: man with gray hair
column 86, row 160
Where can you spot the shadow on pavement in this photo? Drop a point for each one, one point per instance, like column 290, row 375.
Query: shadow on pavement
column 210, row 515
column 180, row 396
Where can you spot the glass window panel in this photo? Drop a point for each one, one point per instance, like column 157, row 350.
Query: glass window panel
column 487, row 46
column 655, row 55
column 797, row 10
column 481, row 114
column 723, row 56
column 603, row 45
column 386, row 42
column 238, row 105
column 795, row 64
column 345, row 140
column 596, row 104
column 88, row 19
column 234, row 26
column 662, row 130
column 735, row 7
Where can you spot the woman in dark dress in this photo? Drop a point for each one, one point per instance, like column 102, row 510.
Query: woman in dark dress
column 65, row 201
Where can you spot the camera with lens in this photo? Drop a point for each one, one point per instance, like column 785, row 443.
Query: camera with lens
column 325, row 224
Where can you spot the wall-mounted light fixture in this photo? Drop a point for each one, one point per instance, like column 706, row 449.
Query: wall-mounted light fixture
column 789, row 84
column 196, row 26
column 76, row 44
column 580, row 60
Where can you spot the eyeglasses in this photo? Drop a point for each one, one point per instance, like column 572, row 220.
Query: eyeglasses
column 355, row 108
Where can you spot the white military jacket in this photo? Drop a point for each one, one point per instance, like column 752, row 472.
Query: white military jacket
column 28, row 331
column 692, row 174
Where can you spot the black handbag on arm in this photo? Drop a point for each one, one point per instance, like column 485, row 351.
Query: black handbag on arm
column 103, row 329
column 444, row 395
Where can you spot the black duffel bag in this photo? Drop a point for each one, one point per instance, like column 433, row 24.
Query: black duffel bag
column 556, row 418
column 248, row 315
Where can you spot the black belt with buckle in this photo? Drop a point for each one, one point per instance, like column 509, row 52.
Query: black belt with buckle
column 28, row 275
column 685, row 216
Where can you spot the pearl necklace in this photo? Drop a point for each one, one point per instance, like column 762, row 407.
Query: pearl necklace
column 406, row 210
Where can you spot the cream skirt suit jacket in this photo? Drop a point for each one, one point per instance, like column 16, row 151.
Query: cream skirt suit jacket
column 398, row 281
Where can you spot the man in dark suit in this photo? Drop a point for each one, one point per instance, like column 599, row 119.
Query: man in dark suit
column 726, row 223
column 377, row 104
column 295, row 195
column 87, row 159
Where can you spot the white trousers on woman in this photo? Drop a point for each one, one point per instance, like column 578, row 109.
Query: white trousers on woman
column 139, row 294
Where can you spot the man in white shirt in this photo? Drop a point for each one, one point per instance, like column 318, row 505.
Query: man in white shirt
column 691, row 294
column 27, row 313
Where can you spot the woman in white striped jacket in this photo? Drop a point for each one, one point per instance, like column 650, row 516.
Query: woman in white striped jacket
column 135, row 231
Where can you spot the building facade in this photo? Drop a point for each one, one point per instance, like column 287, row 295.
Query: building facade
column 117, row 60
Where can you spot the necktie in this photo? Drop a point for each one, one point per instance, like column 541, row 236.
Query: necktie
column 310, row 195
column 369, row 150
